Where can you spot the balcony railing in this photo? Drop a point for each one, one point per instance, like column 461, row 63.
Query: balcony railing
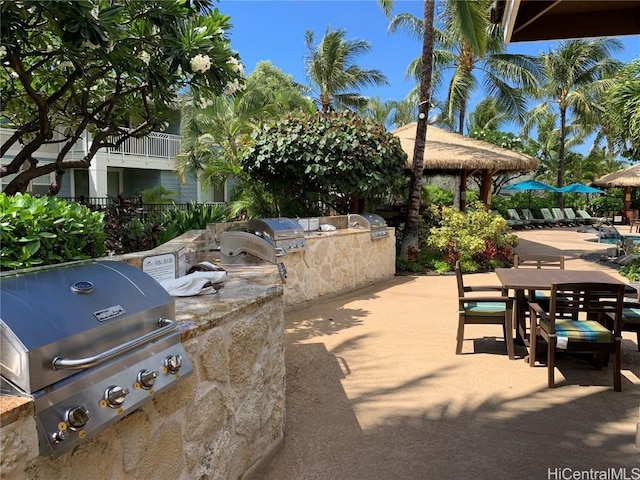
column 154, row 145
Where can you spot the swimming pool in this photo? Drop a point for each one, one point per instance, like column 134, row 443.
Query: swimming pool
column 613, row 240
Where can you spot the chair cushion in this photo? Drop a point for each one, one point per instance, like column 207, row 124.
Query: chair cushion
column 631, row 315
column 581, row 331
column 542, row 295
column 485, row 309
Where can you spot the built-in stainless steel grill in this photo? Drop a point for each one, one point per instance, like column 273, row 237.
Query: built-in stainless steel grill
column 261, row 240
column 369, row 221
column 90, row 342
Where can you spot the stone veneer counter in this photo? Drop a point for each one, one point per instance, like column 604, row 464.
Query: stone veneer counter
column 221, row 422
column 336, row 262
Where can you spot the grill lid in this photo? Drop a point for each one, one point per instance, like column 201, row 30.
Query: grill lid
column 73, row 311
column 369, row 221
column 277, row 228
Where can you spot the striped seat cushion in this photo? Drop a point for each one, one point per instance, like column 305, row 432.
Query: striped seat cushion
column 542, row 295
column 631, row 315
column 581, row 331
column 486, row 309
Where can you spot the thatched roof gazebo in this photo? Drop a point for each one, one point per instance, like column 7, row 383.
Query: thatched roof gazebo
column 625, row 178
column 449, row 153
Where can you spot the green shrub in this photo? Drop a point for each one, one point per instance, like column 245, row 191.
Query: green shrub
column 632, row 271
column 45, row 231
column 195, row 217
column 604, row 205
column 479, row 239
column 125, row 231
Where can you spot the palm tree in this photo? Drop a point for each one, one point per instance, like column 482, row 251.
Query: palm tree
column 331, row 70
column 469, row 17
column 377, row 110
column 622, row 109
column 506, row 77
column 487, row 115
column 573, row 75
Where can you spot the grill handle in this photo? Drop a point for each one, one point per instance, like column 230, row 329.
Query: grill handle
column 166, row 326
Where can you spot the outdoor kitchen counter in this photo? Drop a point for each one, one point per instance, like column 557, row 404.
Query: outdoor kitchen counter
column 246, row 289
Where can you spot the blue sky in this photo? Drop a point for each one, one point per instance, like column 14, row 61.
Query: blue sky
column 274, row 31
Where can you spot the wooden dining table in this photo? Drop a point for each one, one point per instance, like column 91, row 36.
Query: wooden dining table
column 522, row 279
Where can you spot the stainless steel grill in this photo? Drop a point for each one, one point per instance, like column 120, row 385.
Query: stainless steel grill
column 90, row 342
column 369, row 221
column 262, row 240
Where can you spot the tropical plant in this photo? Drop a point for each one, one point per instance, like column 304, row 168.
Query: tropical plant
column 196, row 216
column 488, row 115
column 45, row 231
column 478, row 238
column 335, row 160
column 214, row 134
column 573, row 75
column 506, row 76
column 126, row 231
column 378, row 110
column 157, row 195
column 622, row 108
column 110, row 68
column 334, row 76
column 279, row 89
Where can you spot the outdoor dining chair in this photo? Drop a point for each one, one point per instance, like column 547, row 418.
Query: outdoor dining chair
column 483, row 310
column 577, row 322
column 538, row 262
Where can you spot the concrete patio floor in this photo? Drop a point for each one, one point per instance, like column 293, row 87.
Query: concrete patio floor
column 375, row 390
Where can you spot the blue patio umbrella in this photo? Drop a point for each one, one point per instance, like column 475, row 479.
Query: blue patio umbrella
column 529, row 186
column 580, row 188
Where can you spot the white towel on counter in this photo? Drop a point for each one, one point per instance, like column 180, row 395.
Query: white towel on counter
column 196, row 283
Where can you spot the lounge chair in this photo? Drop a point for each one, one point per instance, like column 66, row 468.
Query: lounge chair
column 538, row 222
column 548, row 216
column 513, row 216
column 559, row 216
column 588, row 219
column 572, row 217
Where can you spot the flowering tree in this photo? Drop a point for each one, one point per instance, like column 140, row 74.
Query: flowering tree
column 111, row 68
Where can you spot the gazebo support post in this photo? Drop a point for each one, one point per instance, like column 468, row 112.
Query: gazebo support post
column 627, row 198
column 464, row 175
column 485, row 188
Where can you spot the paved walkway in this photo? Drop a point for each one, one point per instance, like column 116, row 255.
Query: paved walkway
column 375, row 391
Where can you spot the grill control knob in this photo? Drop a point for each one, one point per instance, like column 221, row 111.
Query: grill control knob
column 76, row 417
column 173, row 363
column 114, row 396
column 147, row 378
column 59, row 436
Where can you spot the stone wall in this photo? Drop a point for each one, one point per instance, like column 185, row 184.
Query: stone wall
column 219, row 423
column 336, row 262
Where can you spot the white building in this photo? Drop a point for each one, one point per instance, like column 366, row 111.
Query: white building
column 138, row 164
